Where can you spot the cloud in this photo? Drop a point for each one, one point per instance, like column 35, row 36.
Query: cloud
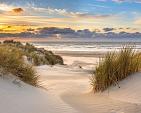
column 10, row 10
column 5, row 7
column 121, row 1
column 55, row 30
column 17, row 10
column 66, row 13
column 56, row 17
column 98, row 6
column 108, row 29
column 137, row 21
column 70, row 33
column 98, row 16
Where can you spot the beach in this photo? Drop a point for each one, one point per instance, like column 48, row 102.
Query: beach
column 71, row 83
column 67, row 89
column 72, row 86
column 70, row 56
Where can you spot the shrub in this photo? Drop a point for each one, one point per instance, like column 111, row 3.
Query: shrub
column 58, row 59
column 11, row 61
column 29, row 48
column 38, row 59
column 35, row 55
column 53, row 59
column 115, row 67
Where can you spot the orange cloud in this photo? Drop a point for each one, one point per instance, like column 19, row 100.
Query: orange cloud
column 17, row 10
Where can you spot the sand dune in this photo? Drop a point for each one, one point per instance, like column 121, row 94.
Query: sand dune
column 73, row 86
column 28, row 99
column 69, row 91
column 130, row 90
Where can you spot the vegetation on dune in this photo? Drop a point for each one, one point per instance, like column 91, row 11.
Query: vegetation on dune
column 11, row 61
column 115, row 67
column 36, row 56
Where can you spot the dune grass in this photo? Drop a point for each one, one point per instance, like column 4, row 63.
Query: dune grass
column 115, row 67
column 35, row 55
column 11, row 61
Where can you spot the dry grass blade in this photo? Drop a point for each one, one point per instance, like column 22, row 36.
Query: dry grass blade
column 115, row 67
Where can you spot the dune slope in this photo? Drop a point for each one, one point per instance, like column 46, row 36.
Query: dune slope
column 72, row 85
column 68, row 91
column 23, row 98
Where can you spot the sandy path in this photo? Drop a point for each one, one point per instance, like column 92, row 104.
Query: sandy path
column 72, row 86
column 63, row 79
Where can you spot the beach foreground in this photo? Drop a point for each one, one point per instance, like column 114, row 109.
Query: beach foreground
column 72, row 85
column 67, row 89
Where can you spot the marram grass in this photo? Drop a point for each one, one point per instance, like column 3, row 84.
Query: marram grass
column 11, row 61
column 114, row 67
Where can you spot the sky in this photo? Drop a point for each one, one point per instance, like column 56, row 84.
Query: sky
column 20, row 15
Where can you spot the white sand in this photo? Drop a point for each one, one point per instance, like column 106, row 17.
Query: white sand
column 88, row 63
column 72, row 85
column 28, row 99
column 68, row 91
column 63, row 79
column 130, row 90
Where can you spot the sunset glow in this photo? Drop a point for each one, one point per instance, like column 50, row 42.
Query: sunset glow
column 92, row 15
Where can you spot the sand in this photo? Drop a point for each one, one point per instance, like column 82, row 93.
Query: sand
column 28, row 99
column 115, row 100
column 72, row 85
column 68, row 90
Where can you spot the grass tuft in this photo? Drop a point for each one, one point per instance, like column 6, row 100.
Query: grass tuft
column 115, row 67
column 11, row 61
